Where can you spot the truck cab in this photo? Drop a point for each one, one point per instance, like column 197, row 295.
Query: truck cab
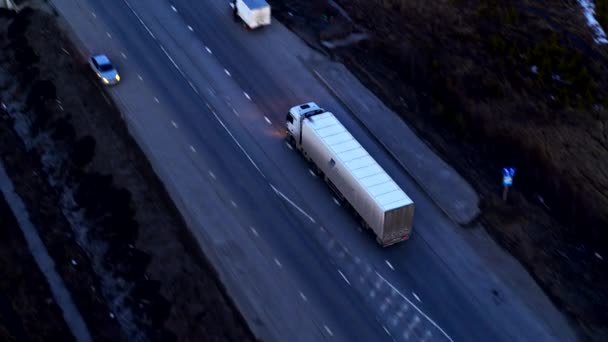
column 294, row 118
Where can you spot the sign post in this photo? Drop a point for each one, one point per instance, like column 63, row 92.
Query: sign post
column 507, row 180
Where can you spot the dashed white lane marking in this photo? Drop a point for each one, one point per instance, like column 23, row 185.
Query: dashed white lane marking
column 276, row 261
column 140, row 78
column 389, row 264
column 209, row 50
column 174, row 123
column 416, row 296
column 192, row 149
column 216, row 117
column 255, row 232
column 344, row 277
column 328, row 330
column 156, row 100
column 386, row 330
column 190, row 28
column 267, row 120
column 415, row 307
column 235, row 112
column 173, row 8
column 336, row 201
column 122, row 54
column 212, row 175
column 227, row 72
column 94, row 15
column 293, row 204
column 233, row 204
column 289, row 145
column 109, row 35
column 312, row 173
column 303, row 297
column 247, row 96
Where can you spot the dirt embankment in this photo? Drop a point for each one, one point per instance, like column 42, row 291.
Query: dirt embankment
column 492, row 84
column 95, row 199
column 28, row 311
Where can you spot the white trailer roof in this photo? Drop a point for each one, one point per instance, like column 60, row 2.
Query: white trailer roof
column 253, row 4
column 381, row 187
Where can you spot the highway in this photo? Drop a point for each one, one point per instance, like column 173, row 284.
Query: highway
column 207, row 99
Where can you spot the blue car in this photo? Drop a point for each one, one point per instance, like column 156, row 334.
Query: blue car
column 104, row 69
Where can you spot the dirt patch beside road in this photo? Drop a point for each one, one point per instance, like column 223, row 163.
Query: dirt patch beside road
column 92, row 178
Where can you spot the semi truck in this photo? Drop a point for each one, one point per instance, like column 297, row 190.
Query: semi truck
column 253, row 13
column 351, row 173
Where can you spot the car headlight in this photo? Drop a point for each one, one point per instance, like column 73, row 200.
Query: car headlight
column 105, row 80
column 117, row 77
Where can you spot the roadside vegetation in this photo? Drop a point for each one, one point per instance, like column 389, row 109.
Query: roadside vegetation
column 492, row 84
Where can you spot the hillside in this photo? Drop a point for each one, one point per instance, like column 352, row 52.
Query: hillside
column 491, row 84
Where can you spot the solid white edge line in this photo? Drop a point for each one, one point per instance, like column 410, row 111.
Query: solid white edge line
column 238, row 144
column 140, row 20
column 415, row 307
column 293, row 204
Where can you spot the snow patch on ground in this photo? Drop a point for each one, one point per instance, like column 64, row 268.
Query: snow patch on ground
column 589, row 11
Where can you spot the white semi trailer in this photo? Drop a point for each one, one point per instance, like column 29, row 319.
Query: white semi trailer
column 253, row 13
column 353, row 175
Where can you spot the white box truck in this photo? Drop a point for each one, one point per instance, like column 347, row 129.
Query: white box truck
column 353, row 175
column 253, row 13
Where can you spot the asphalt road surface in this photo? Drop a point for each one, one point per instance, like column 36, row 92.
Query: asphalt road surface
column 206, row 99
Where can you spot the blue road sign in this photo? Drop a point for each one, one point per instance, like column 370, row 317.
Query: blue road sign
column 507, row 176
